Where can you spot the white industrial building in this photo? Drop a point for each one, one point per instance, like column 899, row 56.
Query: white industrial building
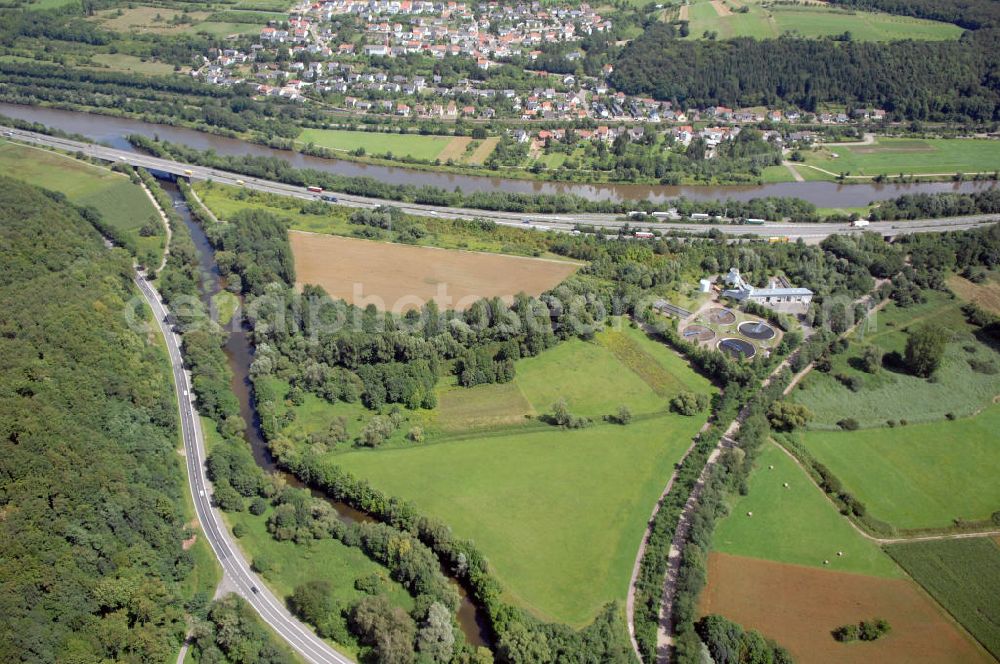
column 784, row 299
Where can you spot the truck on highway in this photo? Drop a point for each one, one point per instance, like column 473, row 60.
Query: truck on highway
column 754, row 222
column 329, row 198
column 188, row 172
column 643, row 235
column 860, row 223
column 314, row 189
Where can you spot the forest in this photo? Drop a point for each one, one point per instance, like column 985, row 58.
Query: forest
column 93, row 516
column 941, row 81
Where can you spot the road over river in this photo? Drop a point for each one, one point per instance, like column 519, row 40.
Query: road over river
column 809, row 232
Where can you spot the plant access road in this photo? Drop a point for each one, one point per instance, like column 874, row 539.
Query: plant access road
column 234, row 564
column 809, row 232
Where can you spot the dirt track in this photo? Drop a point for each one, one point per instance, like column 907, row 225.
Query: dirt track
column 396, row 277
column 799, row 606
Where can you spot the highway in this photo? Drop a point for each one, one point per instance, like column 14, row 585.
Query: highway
column 809, row 232
column 234, row 564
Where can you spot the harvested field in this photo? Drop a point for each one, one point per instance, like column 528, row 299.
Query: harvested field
column 484, row 150
column 683, row 13
column 455, row 149
column 986, row 294
column 396, row 277
column 799, row 606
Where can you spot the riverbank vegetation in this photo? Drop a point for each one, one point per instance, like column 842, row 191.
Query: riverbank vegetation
column 88, row 419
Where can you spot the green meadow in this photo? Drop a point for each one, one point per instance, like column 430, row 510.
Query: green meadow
column 795, row 524
column 892, row 394
column 377, row 143
column 559, row 513
column 122, row 204
column 922, row 475
column 892, row 156
column 769, row 21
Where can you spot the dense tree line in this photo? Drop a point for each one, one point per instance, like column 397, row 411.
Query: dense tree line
column 232, row 633
column 938, row 80
column 254, row 246
column 90, row 551
column 926, row 206
column 728, row 642
column 970, row 14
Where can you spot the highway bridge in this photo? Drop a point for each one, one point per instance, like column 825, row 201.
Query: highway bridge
column 809, row 232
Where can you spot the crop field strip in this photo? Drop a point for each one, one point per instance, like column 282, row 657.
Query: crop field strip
column 402, row 277
column 964, row 576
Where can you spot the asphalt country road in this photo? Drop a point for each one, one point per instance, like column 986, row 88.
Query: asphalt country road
column 234, row 564
column 809, row 232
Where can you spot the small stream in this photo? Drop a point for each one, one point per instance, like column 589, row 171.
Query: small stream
column 239, row 354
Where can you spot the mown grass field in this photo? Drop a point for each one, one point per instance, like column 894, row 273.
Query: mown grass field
column 964, row 576
column 122, row 204
column 622, row 366
column 559, row 514
column 922, row 475
column 796, row 524
column 892, row 156
column 765, row 22
column 378, row 143
column 893, row 395
column 124, row 62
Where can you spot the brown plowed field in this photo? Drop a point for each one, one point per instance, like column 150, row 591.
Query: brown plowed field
column 397, row 277
column 799, row 606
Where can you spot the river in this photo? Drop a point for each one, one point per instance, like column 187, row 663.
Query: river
column 239, row 355
column 112, row 131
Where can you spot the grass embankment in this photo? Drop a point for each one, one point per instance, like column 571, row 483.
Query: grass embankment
column 919, row 476
column 558, row 512
column 814, row 20
column 796, row 524
column 910, row 156
column 121, row 204
column 964, row 576
column 225, row 201
column 894, row 395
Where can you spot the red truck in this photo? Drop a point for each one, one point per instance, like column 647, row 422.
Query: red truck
column 315, row 190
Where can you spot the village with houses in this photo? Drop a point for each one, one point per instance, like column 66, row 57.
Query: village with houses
column 350, row 55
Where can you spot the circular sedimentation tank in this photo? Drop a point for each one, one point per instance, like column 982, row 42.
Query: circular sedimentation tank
column 697, row 333
column 756, row 329
column 737, row 348
column 722, row 316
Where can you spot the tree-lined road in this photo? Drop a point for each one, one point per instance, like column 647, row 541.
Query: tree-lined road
column 234, row 564
column 809, row 232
